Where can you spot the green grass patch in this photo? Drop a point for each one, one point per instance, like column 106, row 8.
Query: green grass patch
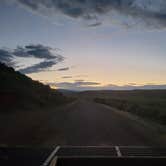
column 150, row 104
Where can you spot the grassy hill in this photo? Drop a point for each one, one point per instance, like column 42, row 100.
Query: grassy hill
column 20, row 91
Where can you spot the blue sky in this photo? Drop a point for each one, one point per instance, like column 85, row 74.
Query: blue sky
column 103, row 55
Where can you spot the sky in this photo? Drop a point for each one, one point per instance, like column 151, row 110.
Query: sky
column 82, row 45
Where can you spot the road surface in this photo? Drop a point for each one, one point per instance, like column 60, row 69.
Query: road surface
column 89, row 123
column 82, row 123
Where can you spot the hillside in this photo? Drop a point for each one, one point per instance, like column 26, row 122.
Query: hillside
column 20, row 91
column 26, row 109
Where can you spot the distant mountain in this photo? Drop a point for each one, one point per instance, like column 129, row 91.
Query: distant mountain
column 20, row 91
column 67, row 92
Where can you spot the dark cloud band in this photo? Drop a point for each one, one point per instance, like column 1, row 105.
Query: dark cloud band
column 63, row 69
column 151, row 13
column 66, row 77
column 39, row 51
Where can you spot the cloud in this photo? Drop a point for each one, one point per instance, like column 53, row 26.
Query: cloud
column 85, row 83
column 6, row 57
column 46, row 57
column 81, row 85
column 38, row 67
column 77, row 76
column 149, row 13
column 77, row 85
column 66, row 77
column 95, row 24
column 63, row 69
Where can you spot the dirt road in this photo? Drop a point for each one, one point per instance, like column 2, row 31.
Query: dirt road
column 88, row 123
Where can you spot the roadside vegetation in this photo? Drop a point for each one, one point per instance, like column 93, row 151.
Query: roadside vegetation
column 149, row 104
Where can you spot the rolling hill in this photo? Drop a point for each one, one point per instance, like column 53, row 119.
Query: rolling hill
column 18, row 91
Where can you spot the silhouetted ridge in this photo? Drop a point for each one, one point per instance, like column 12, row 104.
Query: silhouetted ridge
column 20, row 91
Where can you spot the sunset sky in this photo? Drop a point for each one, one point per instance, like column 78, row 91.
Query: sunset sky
column 77, row 46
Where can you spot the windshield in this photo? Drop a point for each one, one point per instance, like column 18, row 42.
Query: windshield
column 82, row 73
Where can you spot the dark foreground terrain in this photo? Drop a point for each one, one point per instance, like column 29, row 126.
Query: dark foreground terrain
column 79, row 123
